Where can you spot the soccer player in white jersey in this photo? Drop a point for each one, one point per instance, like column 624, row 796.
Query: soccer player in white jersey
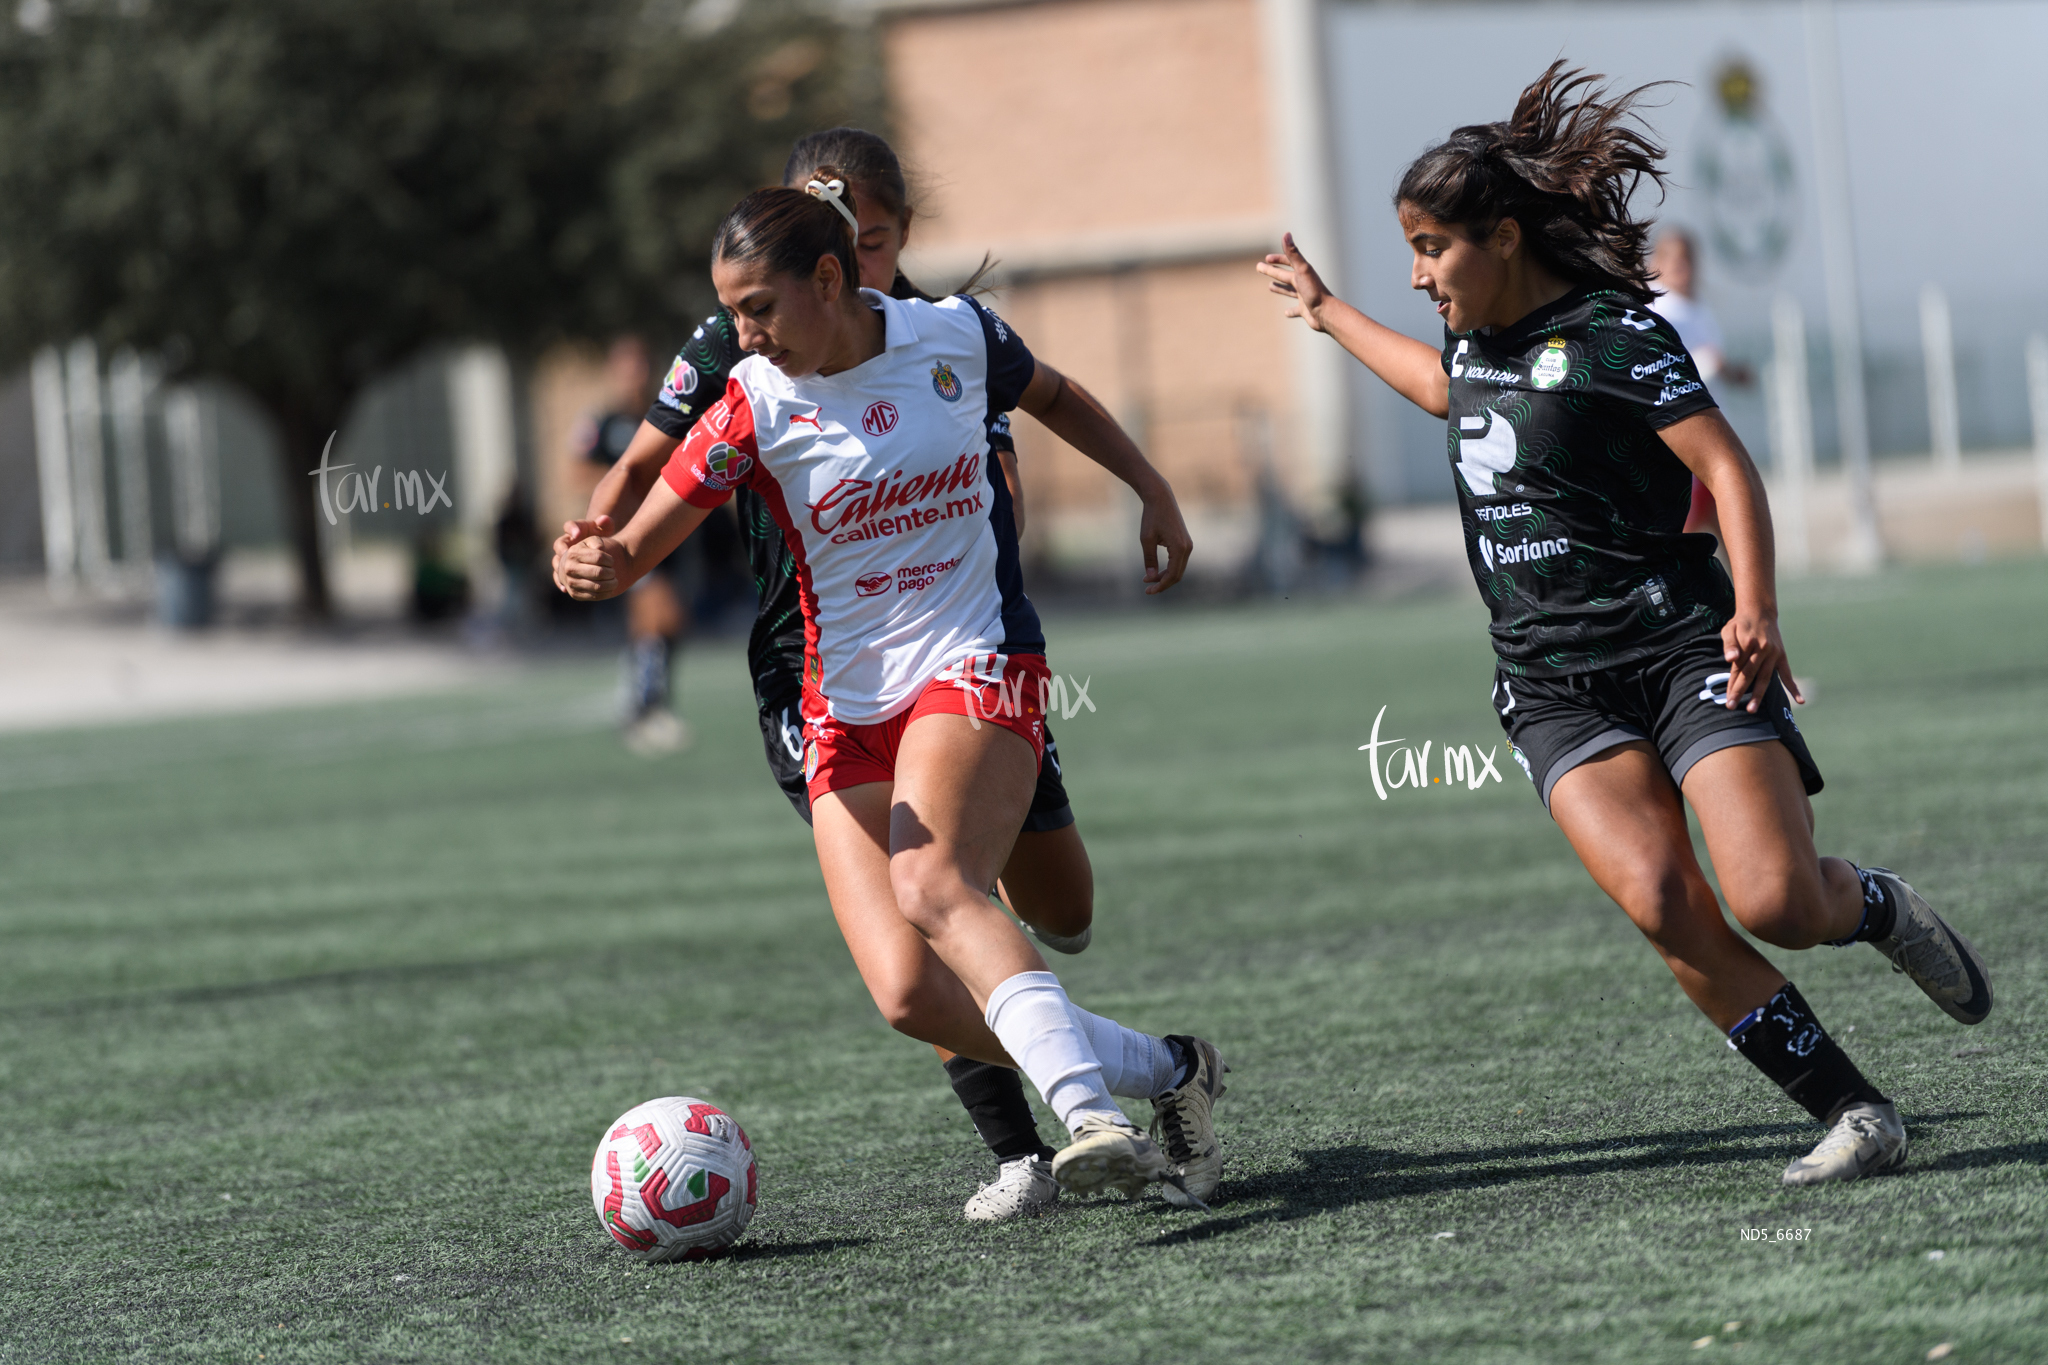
column 864, row 422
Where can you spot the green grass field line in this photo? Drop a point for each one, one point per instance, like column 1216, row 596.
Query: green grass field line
column 310, row 1020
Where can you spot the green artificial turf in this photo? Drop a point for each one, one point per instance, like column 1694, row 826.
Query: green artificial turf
column 310, row 1021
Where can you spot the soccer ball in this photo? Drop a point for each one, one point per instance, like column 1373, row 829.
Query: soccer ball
column 674, row 1180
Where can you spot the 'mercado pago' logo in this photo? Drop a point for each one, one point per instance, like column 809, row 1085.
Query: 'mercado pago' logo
column 1406, row 765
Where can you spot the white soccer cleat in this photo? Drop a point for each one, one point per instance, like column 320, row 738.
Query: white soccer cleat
column 657, row 733
column 1866, row 1139
column 1185, row 1127
column 1063, row 943
column 1022, row 1188
column 1939, row 960
column 1109, row 1153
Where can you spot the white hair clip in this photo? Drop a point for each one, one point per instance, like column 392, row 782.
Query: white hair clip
column 833, row 192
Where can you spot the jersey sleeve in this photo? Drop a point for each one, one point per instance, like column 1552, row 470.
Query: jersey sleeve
column 1639, row 361
column 696, row 377
column 720, row 453
column 1010, row 362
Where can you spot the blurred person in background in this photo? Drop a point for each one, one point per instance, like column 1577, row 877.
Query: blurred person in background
column 658, row 608
column 1674, row 264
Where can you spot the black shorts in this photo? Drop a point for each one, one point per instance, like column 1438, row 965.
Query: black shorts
column 1676, row 701
column 782, row 734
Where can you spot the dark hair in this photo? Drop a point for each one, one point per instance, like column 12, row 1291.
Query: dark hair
column 867, row 160
column 790, row 229
column 1563, row 166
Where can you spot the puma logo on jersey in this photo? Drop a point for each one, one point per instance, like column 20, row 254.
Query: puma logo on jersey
column 796, row 417
column 1486, row 448
column 1629, row 319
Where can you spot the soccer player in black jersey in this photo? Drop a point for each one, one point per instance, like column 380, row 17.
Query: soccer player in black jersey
column 1633, row 675
column 1047, row 881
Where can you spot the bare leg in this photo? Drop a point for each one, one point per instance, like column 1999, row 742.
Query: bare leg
column 1626, row 822
column 915, row 991
column 1759, row 828
column 1048, row 882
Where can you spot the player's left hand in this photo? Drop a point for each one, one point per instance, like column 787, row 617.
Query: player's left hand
column 1755, row 654
column 590, row 569
column 1160, row 526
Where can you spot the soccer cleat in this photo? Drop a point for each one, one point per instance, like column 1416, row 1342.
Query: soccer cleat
column 1184, row 1128
column 656, row 733
column 1063, row 943
column 1866, row 1139
column 1109, row 1153
column 1940, row 961
column 1022, row 1188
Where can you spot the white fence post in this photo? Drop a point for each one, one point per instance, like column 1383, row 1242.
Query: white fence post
column 480, row 400
column 2037, row 398
column 83, row 415
column 129, row 382
column 1938, row 346
column 53, row 470
column 1791, row 432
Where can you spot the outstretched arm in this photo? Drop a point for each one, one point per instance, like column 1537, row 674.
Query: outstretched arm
column 1750, row 642
column 1411, row 367
column 1071, row 413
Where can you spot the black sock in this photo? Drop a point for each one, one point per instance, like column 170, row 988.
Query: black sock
column 1785, row 1042
column 1880, row 912
column 1183, row 1058
column 994, row 1098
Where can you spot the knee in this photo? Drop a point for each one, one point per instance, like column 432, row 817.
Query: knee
column 1661, row 899
column 926, row 889
column 906, row 1005
column 1780, row 910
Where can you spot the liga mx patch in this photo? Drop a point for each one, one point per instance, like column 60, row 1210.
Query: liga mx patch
column 945, row 383
column 724, row 466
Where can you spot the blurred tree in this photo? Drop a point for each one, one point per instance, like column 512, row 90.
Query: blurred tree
column 297, row 195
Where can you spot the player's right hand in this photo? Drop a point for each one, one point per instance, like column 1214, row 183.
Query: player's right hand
column 1293, row 278
column 574, row 532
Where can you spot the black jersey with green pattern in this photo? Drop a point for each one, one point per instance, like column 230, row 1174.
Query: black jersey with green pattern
column 1573, row 506
column 775, row 646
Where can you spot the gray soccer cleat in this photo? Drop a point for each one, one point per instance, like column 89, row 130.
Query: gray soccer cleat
column 1866, row 1139
column 1109, row 1153
column 1940, row 961
column 1022, row 1187
column 1063, row 943
column 1184, row 1126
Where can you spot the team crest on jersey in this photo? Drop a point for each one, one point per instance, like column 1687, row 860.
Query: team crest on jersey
column 945, row 383
column 724, row 466
column 1552, row 368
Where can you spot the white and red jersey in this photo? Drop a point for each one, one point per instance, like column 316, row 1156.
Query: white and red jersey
column 899, row 520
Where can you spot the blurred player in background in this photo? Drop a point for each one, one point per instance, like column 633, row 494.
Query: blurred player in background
column 1674, row 267
column 924, row 666
column 1047, row 881
column 658, row 609
column 1633, row 676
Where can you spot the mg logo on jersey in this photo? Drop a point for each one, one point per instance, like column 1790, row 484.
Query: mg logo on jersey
column 872, row 584
column 878, row 419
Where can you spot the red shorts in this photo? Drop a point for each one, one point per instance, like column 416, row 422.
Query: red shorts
column 989, row 689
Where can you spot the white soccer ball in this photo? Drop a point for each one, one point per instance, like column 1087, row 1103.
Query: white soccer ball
column 674, row 1180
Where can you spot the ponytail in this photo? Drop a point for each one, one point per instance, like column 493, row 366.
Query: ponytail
column 793, row 229
column 1564, row 167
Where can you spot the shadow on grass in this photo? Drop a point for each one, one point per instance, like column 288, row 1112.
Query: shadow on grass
column 1331, row 1178
column 778, row 1251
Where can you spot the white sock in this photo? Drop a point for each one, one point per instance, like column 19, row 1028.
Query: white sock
column 1030, row 1015
column 1133, row 1063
